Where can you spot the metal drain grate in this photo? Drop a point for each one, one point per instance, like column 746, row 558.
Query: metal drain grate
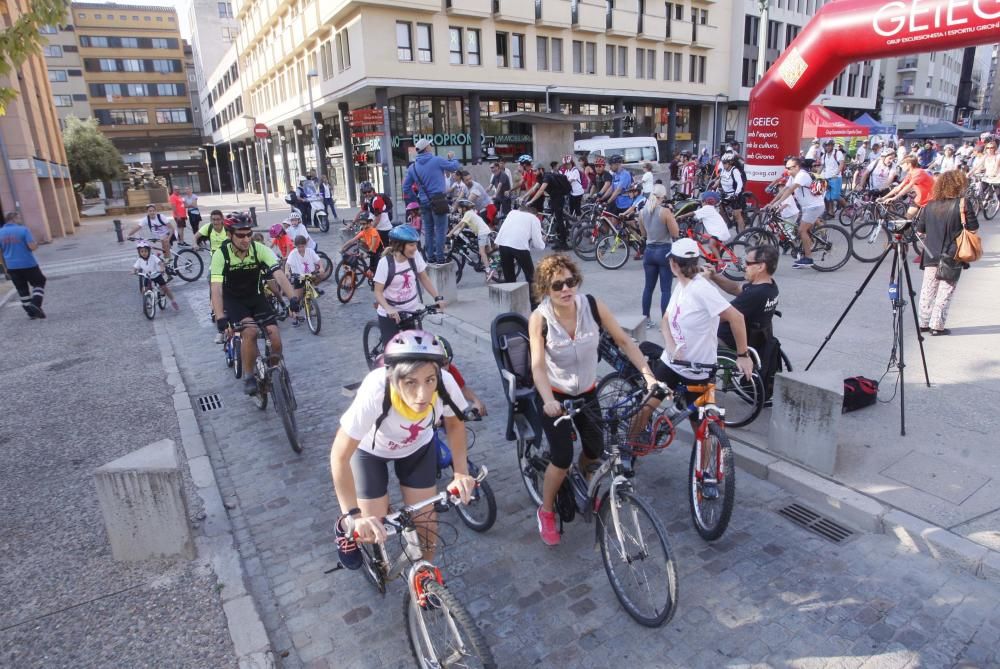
column 816, row 523
column 210, row 402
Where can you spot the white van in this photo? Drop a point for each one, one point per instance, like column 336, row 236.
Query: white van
column 634, row 150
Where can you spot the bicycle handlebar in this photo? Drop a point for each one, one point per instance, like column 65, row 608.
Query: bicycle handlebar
column 658, row 391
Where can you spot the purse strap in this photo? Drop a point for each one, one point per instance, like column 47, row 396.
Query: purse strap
column 961, row 209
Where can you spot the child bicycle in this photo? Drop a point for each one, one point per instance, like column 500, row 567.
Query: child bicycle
column 185, row 263
column 152, row 296
column 441, row 631
column 351, row 271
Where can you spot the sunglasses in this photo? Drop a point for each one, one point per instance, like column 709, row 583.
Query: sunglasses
column 565, row 283
column 242, row 235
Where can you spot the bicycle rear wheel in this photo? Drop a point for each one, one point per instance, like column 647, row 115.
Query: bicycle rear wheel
column 731, row 258
column 313, row 316
column 870, row 240
column 149, row 304
column 188, row 265
column 585, row 242
column 712, row 492
column 743, row 399
column 532, row 464
column 346, row 285
column 612, row 251
column 831, row 248
column 637, row 558
column 284, row 407
column 371, row 341
column 442, row 633
column 991, row 203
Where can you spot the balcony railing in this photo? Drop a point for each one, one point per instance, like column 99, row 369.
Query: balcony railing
column 904, row 90
column 907, row 64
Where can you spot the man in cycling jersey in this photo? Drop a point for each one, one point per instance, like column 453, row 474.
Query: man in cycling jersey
column 216, row 233
column 238, row 271
column 158, row 229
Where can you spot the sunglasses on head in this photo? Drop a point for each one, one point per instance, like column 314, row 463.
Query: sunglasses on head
column 242, row 235
column 564, row 283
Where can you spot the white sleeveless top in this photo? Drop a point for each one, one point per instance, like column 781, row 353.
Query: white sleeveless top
column 571, row 362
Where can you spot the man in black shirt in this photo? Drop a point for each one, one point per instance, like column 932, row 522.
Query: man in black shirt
column 500, row 185
column 756, row 298
column 556, row 186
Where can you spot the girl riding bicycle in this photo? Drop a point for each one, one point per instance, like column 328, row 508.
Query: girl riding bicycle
column 392, row 420
column 398, row 278
column 151, row 267
column 564, row 332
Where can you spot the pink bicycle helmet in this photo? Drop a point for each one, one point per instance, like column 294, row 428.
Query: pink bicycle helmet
column 275, row 230
column 413, row 346
column 413, row 205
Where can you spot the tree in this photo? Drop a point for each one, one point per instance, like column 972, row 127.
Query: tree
column 23, row 38
column 91, row 155
column 879, row 98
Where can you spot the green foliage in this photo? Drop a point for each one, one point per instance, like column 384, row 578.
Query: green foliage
column 91, row 191
column 91, row 155
column 22, row 39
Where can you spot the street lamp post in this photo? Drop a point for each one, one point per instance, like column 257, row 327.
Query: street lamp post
column 548, row 108
column 764, row 6
column 320, row 163
column 715, row 125
column 208, row 168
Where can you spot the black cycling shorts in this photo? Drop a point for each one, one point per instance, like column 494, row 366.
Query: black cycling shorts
column 158, row 280
column 560, row 437
column 737, row 202
column 254, row 306
column 417, row 470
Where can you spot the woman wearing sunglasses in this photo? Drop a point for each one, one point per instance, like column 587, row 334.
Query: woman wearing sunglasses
column 564, row 334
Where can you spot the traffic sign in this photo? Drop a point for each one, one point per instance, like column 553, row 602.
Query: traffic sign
column 366, row 117
column 260, row 131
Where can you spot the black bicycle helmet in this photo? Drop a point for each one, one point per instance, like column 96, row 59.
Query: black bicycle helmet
column 366, row 187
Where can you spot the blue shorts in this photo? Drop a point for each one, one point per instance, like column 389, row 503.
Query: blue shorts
column 833, row 187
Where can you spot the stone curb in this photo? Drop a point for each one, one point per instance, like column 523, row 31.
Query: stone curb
column 829, row 497
column 218, row 545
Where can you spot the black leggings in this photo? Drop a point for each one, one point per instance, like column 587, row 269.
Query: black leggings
column 560, row 437
column 22, row 279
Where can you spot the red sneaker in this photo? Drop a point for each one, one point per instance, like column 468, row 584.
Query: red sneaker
column 547, row 527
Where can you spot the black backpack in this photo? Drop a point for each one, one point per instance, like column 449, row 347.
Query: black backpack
column 859, row 392
column 558, row 184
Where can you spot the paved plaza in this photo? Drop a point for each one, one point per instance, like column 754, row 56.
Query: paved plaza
column 769, row 593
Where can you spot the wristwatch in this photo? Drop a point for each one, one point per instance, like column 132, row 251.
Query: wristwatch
column 439, row 298
column 744, row 354
column 354, row 512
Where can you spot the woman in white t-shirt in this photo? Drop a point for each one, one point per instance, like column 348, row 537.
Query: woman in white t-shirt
column 799, row 186
column 392, row 420
column 398, row 277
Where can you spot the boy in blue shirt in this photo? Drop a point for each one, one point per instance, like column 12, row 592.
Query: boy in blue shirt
column 17, row 245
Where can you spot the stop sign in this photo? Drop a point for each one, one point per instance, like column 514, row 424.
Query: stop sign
column 260, row 131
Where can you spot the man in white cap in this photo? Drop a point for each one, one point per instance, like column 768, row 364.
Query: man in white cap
column 427, row 174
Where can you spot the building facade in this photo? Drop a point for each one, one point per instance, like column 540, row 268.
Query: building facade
column 65, row 70
column 211, row 29
column 450, row 71
column 34, row 177
column 987, row 116
column 921, row 89
column 850, row 94
column 133, row 62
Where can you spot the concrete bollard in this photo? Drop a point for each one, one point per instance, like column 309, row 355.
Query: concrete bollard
column 118, row 230
column 634, row 326
column 506, row 297
column 805, row 418
column 142, row 500
column 443, row 278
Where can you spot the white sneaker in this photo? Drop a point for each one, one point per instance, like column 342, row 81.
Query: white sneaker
column 219, row 339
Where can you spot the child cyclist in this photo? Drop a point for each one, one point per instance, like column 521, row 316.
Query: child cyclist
column 281, row 243
column 150, row 267
column 301, row 261
column 398, row 278
column 472, row 220
column 371, row 241
column 710, row 218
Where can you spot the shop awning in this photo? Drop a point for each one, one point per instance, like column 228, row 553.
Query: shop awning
column 545, row 117
column 820, row 122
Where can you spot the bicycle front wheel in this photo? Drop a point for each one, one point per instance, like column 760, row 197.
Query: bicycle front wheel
column 712, row 490
column 149, row 304
column 325, row 266
column 637, row 558
column 991, row 203
column 585, row 243
column 188, row 264
column 371, row 341
column 870, row 240
column 346, row 286
column 313, row 316
column 743, row 399
column 612, row 251
column 481, row 512
column 442, row 633
column 831, row 248
column 284, row 407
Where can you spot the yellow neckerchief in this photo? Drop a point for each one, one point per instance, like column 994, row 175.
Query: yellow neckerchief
column 405, row 411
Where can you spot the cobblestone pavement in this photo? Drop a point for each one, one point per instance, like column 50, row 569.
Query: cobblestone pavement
column 82, row 388
column 768, row 593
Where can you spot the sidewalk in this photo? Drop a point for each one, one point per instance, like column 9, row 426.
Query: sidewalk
column 945, row 473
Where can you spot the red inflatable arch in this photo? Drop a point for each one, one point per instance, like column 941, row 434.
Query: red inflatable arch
column 843, row 32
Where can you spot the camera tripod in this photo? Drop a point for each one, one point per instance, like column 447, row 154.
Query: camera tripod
column 900, row 271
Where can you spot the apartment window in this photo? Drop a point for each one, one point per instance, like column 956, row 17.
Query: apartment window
column 773, row 31
column 650, row 64
column 136, row 90
column 344, row 49
column 179, row 115
column 147, row 18
column 49, row 30
column 125, row 117
column 157, row 42
column 133, row 43
column 668, row 59
column 326, row 59
column 166, row 66
column 751, row 25
column 609, row 60
column 749, row 72
column 229, row 34
column 63, row 100
column 542, row 56
column 791, row 32
column 865, row 85
column 838, row 84
column 622, row 61
column 455, row 46
column 58, row 75
column 852, row 84
column 703, row 17
column 134, row 65
column 702, row 63
column 472, row 46
column 640, row 63
column 168, row 90
column 52, row 51
column 107, row 65
column 577, row 57
column 591, row 57
column 424, row 46
column 557, row 54
column 678, row 59
column 503, row 53
column 225, row 10
column 404, row 41
column 160, row 18
column 518, row 49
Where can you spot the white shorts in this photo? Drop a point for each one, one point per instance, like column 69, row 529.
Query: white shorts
column 484, row 240
column 812, row 214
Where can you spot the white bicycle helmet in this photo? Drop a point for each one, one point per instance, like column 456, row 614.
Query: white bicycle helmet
column 414, row 346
